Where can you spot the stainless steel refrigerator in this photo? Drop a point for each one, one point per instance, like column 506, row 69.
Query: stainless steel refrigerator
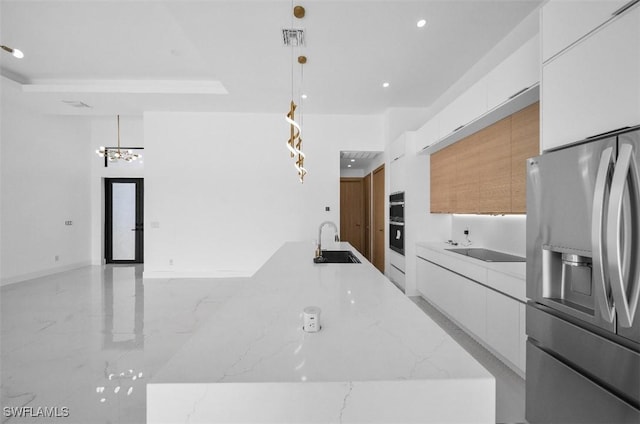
column 583, row 282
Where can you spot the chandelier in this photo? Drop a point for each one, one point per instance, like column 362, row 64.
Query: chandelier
column 117, row 153
column 295, row 38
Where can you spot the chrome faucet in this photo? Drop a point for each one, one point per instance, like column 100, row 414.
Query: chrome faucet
column 337, row 237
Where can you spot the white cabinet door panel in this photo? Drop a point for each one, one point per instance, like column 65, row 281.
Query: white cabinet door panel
column 472, row 307
column 566, row 21
column 439, row 286
column 507, row 284
column 503, row 325
column 398, row 175
column 428, row 133
column 523, row 338
column 397, row 147
column 517, row 72
column 595, row 86
column 467, row 107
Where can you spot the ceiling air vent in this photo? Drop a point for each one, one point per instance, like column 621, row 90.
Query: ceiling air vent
column 293, row 37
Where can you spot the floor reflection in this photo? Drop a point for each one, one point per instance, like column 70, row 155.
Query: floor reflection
column 123, row 307
column 86, row 342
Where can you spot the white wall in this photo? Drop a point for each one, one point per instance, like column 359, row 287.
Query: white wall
column 225, row 205
column 104, row 132
column 45, row 173
column 504, row 233
column 400, row 119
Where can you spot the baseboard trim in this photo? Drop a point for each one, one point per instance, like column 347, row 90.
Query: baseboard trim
column 5, row 281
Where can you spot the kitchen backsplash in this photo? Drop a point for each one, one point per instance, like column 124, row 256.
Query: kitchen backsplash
column 503, row 233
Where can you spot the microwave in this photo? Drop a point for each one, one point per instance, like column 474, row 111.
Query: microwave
column 396, row 207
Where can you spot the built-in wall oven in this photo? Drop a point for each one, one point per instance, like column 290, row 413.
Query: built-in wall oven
column 396, row 222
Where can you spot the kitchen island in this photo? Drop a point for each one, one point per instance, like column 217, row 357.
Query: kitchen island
column 377, row 358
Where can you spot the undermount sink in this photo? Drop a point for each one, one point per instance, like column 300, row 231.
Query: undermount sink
column 337, row 257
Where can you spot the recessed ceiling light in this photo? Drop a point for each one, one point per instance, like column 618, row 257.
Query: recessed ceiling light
column 348, row 166
column 421, row 23
column 304, row 96
column 385, row 84
column 353, row 160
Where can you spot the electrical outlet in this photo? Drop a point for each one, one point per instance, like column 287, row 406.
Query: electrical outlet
column 57, row 258
column 327, row 209
column 68, row 222
column 466, row 231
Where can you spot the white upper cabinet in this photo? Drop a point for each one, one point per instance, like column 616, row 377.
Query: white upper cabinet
column 594, row 87
column 516, row 73
column 566, row 21
column 397, row 166
column 464, row 109
column 428, row 133
column 397, row 148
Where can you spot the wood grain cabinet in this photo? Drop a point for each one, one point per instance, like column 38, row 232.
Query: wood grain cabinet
column 494, row 163
column 467, row 183
column 525, row 144
column 486, row 172
column 443, row 168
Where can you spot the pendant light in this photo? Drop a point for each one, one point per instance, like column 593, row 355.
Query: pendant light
column 293, row 37
column 118, row 154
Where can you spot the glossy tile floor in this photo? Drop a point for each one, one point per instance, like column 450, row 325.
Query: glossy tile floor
column 87, row 341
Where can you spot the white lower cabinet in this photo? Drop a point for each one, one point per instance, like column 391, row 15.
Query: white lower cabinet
column 438, row 285
column 472, row 307
column 457, row 296
column 503, row 325
column 492, row 317
column 523, row 337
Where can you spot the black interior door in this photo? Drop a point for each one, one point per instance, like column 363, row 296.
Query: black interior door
column 124, row 225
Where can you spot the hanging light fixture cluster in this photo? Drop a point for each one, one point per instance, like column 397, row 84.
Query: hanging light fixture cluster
column 118, row 154
column 295, row 38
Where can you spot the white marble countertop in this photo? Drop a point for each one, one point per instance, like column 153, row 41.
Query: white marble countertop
column 514, row 269
column 371, row 333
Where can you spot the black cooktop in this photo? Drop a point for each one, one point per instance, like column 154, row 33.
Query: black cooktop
column 488, row 255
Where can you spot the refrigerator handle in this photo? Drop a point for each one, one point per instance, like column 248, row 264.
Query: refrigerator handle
column 626, row 307
column 597, row 237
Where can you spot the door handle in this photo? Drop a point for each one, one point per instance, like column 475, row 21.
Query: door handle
column 626, row 166
column 597, row 236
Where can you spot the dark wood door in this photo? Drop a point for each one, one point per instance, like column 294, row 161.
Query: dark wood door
column 378, row 218
column 352, row 212
column 367, row 216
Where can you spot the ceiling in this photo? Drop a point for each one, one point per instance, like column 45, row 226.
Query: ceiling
column 127, row 57
column 358, row 160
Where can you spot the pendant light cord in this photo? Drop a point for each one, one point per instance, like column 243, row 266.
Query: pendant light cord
column 118, row 118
